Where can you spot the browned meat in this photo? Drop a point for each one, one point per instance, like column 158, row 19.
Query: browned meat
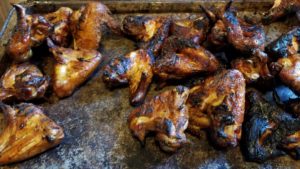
column 166, row 115
column 219, row 104
column 218, row 34
column 40, row 29
column 28, row 132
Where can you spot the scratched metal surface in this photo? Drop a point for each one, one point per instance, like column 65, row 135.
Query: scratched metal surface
column 95, row 119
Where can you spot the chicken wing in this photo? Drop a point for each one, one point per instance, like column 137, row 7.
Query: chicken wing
column 166, row 115
column 287, row 44
column 87, row 23
column 40, row 29
column 72, row 68
column 23, row 82
column 19, row 45
column 268, row 130
column 181, row 58
column 218, row 34
column 28, row 132
column 280, row 9
column 134, row 69
column 219, row 104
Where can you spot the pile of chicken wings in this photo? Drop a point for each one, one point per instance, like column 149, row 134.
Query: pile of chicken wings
column 223, row 102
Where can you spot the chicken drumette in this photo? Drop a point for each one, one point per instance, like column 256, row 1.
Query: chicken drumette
column 219, row 104
column 166, row 115
column 23, row 82
column 134, row 69
column 27, row 132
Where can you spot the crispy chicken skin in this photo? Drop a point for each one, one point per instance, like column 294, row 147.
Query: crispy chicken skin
column 268, row 130
column 40, row 29
column 23, row 82
column 134, row 69
column 218, row 34
column 149, row 31
column 181, row 58
column 219, row 104
column 166, row 115
column 280, row 9
column 72, row 68
column 86, row 26
column 19, row 45
column 28, row 132
column 287, row 44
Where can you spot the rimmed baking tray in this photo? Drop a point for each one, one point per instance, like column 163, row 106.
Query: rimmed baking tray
column 95, row 118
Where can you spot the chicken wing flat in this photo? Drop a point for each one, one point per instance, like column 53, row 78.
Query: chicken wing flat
column 87, row 23
column 19, row 45
column 134, row 68
column 219, row 104
column 28, row 132
column 72, row 68
column 287, row 44
column 268, row 130
column 280, row 9
column 149, row 31
column 23, row 82
column 181, row 58
column 166, row 115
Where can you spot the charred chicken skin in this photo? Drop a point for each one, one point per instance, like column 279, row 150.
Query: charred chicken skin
column 23, row 82
column 134, row 69
column 218, row 34
column 286, row 45
column 166, row 115
column 181, row 58
column 149, row 31
column 280, row 9
column 268, row 130
column 86, row 25
column 219, row 104
column 28, row 132
column 19, row 45
column 72, row 68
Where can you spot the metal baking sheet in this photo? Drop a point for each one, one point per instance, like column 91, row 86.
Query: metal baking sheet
column 95, row 118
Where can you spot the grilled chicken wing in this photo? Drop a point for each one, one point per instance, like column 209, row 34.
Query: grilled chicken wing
column 280, row 9
column 28, row 132
column 86, row 26
column 40, row 29
column 23, row 82
column 285, row 45
column 268, row 130
column 19, row 45
column 149, row 31
column 218, row 34
column 219, row 104
column 134, row 68
column 72, row 68
column 166, row 115
column 181, row 58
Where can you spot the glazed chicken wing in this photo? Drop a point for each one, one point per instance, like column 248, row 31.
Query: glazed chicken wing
column 87, row 23
column 166, row 115
column 280, row 9
column 268, row 130
column 72, row 68
column 181, row 58
column 19, row 45
column 23, row 82
column 40, row 29
column 134, row 68
column 219, row 104
column 27, row 132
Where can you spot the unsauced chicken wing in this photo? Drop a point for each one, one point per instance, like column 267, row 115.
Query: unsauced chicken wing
column 287, row 44
column 23, row 82
column 280, row 9
column 268, row 130
column 19, row 45
column 181, row 58
column 166, row 115
column 86, row 26
column 219, row 104
column 134, row 68
column 72, row 68
column 149, row 31
column 28, row 132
